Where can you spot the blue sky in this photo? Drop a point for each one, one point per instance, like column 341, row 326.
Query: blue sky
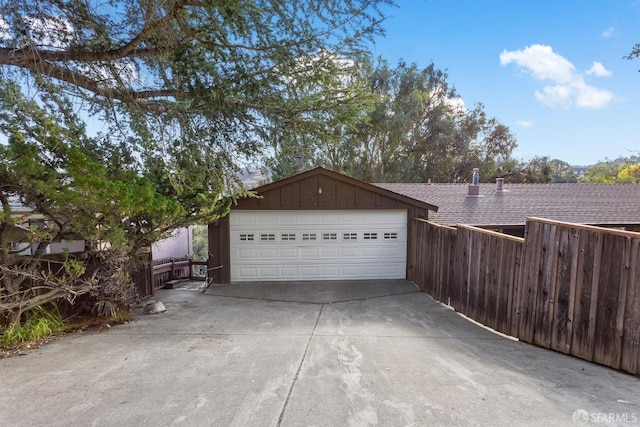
column 553, row 71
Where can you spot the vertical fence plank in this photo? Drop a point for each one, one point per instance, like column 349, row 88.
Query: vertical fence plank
column 529, row 282
column 546, row 287
column 630, row 360
column 607, row 341
column 514, row 276
column 564, row 296
column 495, row 303
column 581, row 343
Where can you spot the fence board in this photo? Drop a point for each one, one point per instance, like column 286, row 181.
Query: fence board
column 607, row 342
column 529, row 281
column 564, row 297
column 546, row 287
column 493, row 302
column 514, row 277
column 630, row 360
column 484, row 268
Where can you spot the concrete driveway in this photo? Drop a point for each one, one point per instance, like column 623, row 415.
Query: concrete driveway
column 318, row 354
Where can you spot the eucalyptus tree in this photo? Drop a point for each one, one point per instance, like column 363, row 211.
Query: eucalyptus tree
column 420, row 129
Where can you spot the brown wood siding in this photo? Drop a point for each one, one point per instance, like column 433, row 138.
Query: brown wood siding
column 219, row 244
column 305, row 195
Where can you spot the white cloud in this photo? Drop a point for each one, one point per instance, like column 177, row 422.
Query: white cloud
column 609, row 32
column 110, row 76
column 525, row 123
column 592, row 97
column 456, row 105
column 598, row 70
column 542, row 62
column 51, row 32
column 566, row 87
column 5, row 31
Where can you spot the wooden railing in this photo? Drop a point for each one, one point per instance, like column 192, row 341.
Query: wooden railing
column 165, row 270
column 567, row 287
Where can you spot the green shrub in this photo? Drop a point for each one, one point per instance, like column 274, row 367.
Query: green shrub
column 39, row 323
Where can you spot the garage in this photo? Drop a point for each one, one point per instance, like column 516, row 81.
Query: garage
column 317, row 225
column 318, row 245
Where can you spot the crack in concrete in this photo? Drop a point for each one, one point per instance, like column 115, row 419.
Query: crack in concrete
column 316, row 302
column 302, row 360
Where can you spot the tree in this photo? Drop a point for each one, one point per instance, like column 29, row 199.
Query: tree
column 182, row 89
column 540, row 169
column 601, row 173
column 49, row 166
column 414, row 127
column 630, row 174
column 184, row 66
column 208, row 77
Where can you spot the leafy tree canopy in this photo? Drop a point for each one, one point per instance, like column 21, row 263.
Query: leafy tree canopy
column 539, row 169
column 414, row 127
column 189, row 87
column 630, row 174
column 621, row 170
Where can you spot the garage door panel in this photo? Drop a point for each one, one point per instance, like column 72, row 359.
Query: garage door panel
column 310, row 271
column 289, row 253
column 267, row 253
column 294, row 245
column 381, row 251
column 268, row 271
column 288, row 272
column 329, row 252
column 309, row 252
column 351, row 271
column 331, row 271
column 247, row 272
column 350, row 252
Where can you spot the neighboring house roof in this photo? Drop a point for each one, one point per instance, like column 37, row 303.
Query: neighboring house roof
column 16, row 206
column 593, row 204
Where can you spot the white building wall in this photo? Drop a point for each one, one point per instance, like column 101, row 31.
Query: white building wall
column 179, row 244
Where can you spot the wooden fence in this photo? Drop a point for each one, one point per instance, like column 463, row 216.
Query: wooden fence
column 566, row 287
column 165, row 270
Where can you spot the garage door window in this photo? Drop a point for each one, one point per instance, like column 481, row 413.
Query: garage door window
column 288, row 236
column 350, row 236
column 329, row 236
column 267, row 237
column 370, row 236
column 246, row 237
column 308, row 236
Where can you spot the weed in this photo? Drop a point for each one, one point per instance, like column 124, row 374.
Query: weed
column 39, row 324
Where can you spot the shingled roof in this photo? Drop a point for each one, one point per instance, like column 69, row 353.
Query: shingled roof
column 614, row 205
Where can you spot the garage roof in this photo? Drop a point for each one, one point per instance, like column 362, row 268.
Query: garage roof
column 324, row 189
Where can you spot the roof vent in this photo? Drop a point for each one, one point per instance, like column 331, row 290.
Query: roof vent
column 474, row 188
column 499, row 184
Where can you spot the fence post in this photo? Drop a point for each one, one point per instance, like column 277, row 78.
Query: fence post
column 142, row 273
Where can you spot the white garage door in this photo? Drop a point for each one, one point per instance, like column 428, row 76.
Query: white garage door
column 318, row 245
